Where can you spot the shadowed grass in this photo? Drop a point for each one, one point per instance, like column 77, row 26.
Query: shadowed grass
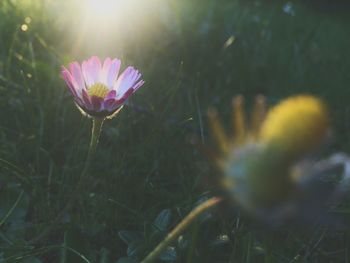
column 205, row 54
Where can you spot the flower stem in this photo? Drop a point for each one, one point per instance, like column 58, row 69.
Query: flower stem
column 95, row 135
column 180, row 228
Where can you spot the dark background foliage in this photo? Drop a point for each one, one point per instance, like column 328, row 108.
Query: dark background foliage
column 193, row 54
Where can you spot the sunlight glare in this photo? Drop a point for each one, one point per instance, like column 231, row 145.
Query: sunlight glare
column 104, row 8
column 112, row 22
column 106, row 15
column 100, row 26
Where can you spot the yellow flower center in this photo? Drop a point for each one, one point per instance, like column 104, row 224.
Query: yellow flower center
column 297, row 124
column 99, row 90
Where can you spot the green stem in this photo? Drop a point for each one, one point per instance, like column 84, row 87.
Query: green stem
column 95, row 135
column 180, row 228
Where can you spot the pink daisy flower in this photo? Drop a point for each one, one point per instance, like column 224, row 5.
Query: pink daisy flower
column 97, row 89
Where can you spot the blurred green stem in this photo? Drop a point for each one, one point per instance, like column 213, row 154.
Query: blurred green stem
column 180, row 228
column 95, row 135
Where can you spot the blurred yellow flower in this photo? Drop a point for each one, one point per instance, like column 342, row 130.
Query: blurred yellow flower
column 296, row 125
column 258, row 157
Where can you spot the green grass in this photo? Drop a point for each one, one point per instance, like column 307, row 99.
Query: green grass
column 144, row 162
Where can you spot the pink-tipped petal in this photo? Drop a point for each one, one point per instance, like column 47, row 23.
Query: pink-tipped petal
column 113, row 73
column 125, row 96
column 105, row 69
column 77, row 75
column 76, row 89
column 86, row 99
column 122, row 79
column 86, row 69
column 68, row 79
column 95, row 68
column 91, row 70
column 126, row 81
column 138, row 85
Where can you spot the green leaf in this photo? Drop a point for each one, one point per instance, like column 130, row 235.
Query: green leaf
column 104, row 255
column 162, row 221
column 133, row 249
column 169, row 254
column 130, row 237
